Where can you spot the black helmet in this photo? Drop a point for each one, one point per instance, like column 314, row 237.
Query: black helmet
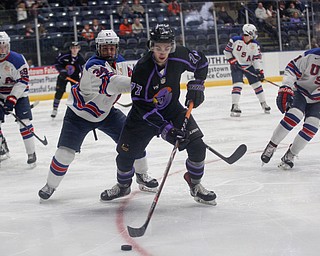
column 74, row 43
column 162, row 33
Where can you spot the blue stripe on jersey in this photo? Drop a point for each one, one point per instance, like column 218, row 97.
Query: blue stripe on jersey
column 16, row 59
column 315, row 51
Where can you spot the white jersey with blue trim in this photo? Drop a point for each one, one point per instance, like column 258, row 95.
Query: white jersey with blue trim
column 99, row 88
column 303, row 74
column 14, row 76
column 247, row 54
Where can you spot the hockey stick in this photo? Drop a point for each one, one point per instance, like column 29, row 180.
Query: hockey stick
column 123, row 105
column 235, row 156
column 34, row 104
column 44, row 141
column 255, row 75
column 137, row 232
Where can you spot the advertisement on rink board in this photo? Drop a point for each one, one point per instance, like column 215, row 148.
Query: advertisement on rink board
column 43, row 79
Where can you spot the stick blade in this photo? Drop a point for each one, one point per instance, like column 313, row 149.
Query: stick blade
column 44, row 141
column 136, row 232
column 240, row 151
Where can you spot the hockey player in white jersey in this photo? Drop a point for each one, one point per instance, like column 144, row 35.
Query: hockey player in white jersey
column 91, row 106
column 299, row 99
column 14, row 88
column 243, row 52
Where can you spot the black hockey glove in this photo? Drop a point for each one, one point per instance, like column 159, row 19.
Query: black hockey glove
column 234, row 64
column 195, row 93
column 63, row 74
column 260, row 74
column 284, row 98
column 9, row 104
column 171, row 134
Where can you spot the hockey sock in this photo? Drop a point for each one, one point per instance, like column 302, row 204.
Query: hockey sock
column 59, row 166
column 290, row 120
column 308, row 131
column 236, row 92
column 27, row 136
column 258, row 90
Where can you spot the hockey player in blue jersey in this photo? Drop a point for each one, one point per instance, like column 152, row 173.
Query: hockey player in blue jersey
column 299, row 99
column 91, row 106
column 243, row 52
column 14, row 88
column 156, row 111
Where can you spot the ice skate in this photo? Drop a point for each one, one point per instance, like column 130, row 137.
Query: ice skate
column 199, row 193
column 46, row 192
column 235, row 110
column 287, row 161
column 146, row 183
column 265, row 107
column 116, row 191
column 4, row 150
column 32, row 158
column 268, row 152
column 54, row 113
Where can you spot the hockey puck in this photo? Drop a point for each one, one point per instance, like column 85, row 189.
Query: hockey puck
column 126, row 247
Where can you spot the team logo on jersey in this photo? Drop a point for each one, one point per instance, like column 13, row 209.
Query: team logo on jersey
column 163, row 98
column 125, row 147
column 70, row 69
column 163, row 80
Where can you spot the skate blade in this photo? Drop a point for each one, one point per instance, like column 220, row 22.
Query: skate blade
column 267, row 111
column 33, row 165
column 284, row 166
column 232, row 114
column 147, row 189
column 201, row 201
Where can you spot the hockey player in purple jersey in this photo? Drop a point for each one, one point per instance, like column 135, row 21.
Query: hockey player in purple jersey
column 299, row 99
column 91, row 106
column 243, row 52
column 156, row 111
column 69, row 64
column 14, row 88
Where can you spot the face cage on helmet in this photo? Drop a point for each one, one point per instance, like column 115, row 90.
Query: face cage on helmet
column 5, row 43
column 109, row 59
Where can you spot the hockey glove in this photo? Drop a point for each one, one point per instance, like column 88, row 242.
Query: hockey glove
column 171, row 134
column 9, row 104
column 234, row 64
column 195, row 93
column 284, row 98
column 63, row 74
column 260, row 74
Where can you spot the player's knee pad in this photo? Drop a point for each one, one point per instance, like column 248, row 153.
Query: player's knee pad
column 65, row 155
column 196, row 150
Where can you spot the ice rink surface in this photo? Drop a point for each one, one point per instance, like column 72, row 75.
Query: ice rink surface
column 261, row 210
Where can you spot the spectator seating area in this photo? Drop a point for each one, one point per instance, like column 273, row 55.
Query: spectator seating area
column 62, row 22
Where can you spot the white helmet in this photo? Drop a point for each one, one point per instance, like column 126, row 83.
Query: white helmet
column 4, row 42
column 250, row 30
column 107, row 37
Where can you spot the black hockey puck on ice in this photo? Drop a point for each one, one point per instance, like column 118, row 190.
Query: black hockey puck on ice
column 126, row 247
